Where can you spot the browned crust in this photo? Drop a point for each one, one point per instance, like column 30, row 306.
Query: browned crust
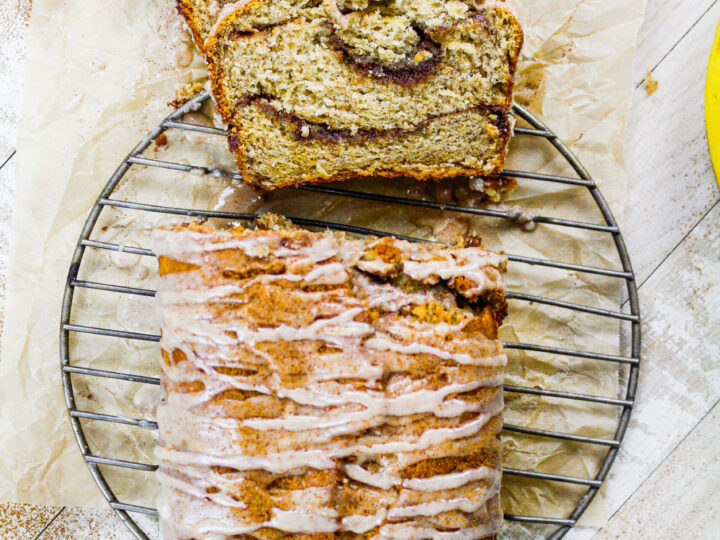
column 508, row 20
column 186, row 11
column 487, row 320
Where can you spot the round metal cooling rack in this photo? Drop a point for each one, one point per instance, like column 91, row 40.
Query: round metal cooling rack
column 174, row 121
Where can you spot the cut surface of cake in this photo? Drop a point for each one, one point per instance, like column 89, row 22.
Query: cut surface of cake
column 322, row 91
column 319, row 386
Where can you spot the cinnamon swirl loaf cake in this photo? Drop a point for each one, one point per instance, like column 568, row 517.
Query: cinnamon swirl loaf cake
column 322, row 91
column 318, row 386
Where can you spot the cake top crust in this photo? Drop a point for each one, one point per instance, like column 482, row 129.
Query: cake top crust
column 317, row 384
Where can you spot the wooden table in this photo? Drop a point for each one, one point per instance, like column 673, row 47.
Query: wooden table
column 664, row 484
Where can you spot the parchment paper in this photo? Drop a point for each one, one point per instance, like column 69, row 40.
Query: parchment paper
column 99, row 75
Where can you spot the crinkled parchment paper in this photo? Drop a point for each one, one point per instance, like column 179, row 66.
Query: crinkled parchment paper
column 99, row 75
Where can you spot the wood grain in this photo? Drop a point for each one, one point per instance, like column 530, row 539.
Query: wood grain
column 84, row 524
column 13, row 30
column 24, row 521
column 666, row 23
column 680, row 374
column 671, row 181
column 680, row 499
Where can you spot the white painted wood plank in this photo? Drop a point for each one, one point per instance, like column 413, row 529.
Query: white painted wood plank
column 84, row 524
column 24, row 521
column 14, row 16
column 7, row 175
column 666, row 22
column 680, row 373
column 95, row 524
column 680, row 499
column 671, row 181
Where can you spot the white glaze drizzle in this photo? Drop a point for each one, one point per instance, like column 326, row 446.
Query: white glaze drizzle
column 362, row 524
column 382, row 480
column 284, row 520
column 452, row 480
column 208, row 344
column 433, row 508
column 282, row 462
column 189, row 246
column 176, row 483
column 422, row 401
column 449, row 265
column 385, row 343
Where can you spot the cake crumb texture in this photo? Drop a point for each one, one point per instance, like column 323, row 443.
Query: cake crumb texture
column 316, row 91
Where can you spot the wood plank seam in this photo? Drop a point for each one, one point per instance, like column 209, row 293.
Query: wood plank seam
column 8, row 159
column 664, row 57
column 49, row 523
column 655, row 469
column 675, row 248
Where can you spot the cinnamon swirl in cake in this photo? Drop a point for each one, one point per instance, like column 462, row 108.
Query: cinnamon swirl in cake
column 321, row 91
column 318, row 386
column 204, row 16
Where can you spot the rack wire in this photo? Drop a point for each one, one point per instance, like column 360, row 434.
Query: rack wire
column 538, row 130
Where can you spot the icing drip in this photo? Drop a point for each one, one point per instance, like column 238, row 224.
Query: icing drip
column 453, row 480
column 445, row 505
column 453, row 264
column 383, row 343
column 324, row 458
column 382, row 480
column 362, row 524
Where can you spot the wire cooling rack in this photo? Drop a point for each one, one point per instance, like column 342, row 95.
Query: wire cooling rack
column 558, row 526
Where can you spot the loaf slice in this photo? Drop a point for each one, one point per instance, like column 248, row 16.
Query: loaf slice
column 369, row 88
column 318, row 386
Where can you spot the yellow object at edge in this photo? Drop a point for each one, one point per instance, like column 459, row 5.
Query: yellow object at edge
column 712, row 105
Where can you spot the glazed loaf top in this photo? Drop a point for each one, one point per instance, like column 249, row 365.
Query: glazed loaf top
column 326, row 386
